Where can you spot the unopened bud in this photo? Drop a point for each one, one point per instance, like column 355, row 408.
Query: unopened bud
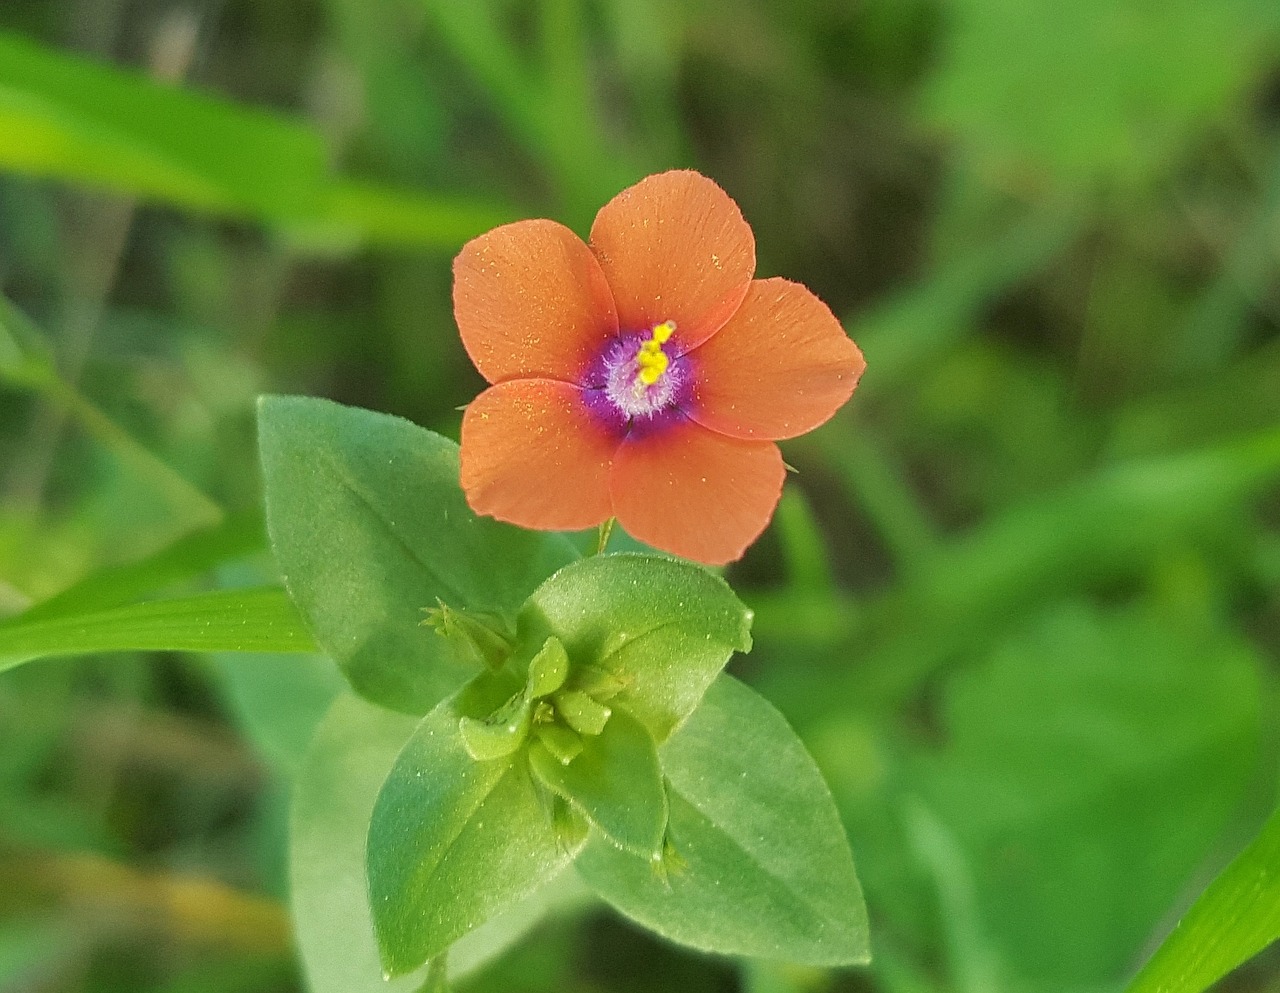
column 499, row 734
column 582, row 713
column 478, row 636
column 564, row 744
column 548, row 670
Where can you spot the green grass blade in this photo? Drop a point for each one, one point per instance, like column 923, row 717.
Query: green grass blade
column 803, row 545
column 912, row 327
column 190, row 556
column 261, row 620
column 1100, row 528
column 1094, row 531
column 69, row 118
column 26, row 362
column 1233, row 920
column 875, row 481
column 394, row 217
column 546, row 107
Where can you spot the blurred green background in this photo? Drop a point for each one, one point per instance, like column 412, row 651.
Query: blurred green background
column 1021, row 599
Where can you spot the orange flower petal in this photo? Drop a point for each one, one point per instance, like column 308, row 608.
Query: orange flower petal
column 675, row 247
column 780, row 367
column 532, row 455
column 530, row 300
column 695, row 493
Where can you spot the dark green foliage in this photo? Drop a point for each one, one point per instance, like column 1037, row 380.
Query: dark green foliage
column 1021, row 601
column 370, row 529
column 756, row 862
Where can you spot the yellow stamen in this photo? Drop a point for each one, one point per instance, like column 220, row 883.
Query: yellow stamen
column 651, row 360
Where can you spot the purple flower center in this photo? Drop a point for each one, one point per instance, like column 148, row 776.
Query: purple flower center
column 635, row 385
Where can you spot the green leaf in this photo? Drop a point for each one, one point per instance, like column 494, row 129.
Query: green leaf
column 664, row 627
column 452, row 841
column 370, row 526
column 759, row 864
column 279, row 699
column 230, row 621
column 615, row 780
column 1090, row 763
column 335, row 790
column 1234, row 919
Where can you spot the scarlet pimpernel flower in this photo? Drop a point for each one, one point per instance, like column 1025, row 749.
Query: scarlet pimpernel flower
column 644, row 377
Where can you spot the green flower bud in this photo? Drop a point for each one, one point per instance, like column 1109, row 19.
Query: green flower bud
column 564, row 744
column 582, row 713
column 499, row 734
column 548, row 670
column 478, row 636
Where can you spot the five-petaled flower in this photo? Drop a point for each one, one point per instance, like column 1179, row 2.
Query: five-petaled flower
column 645, row 377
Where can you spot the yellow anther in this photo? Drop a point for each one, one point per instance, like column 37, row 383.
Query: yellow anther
column 651, row 360
column 651, row 368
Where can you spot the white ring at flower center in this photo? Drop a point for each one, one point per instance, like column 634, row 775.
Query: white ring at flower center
column 632, row 398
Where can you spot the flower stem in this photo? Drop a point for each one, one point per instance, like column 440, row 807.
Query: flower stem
column 606, row 529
